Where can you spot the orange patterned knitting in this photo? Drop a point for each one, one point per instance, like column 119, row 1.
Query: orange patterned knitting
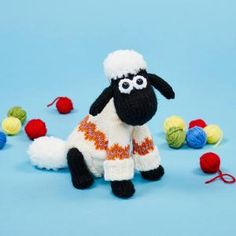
column 117, row 152
column 144, row 148
column 92, row 134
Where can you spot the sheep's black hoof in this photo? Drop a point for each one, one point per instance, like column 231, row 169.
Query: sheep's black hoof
column 155, row 174
column 123, row 189
column 82, row 182
column 80, row 174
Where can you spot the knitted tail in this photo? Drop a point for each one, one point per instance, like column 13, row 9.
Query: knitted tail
column 48, row 153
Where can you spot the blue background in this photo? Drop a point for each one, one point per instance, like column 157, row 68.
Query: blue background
column 56, row 48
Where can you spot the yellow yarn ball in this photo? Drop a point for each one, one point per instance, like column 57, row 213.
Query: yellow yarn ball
column 11, row 125
column 174, row 121
column 214, row 134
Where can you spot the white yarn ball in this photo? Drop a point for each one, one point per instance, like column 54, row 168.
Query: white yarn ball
column 48, row 153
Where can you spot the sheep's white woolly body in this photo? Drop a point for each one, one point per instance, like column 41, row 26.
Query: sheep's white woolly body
column 123, row 62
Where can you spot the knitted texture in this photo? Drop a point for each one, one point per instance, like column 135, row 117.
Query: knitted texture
column 123, row 189
column 101, row 101
column 153, row 175
column 123, row 62
column 135, row 108
column 144, row 148
column 80, row 174
column 114, row 140
column 162, row 86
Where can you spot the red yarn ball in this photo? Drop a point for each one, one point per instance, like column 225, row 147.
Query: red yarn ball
column 35, row 128
column 198, row 122
column 210, row 162
column 64, row 105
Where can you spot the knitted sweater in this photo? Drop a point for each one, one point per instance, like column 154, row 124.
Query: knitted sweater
column 113, row 148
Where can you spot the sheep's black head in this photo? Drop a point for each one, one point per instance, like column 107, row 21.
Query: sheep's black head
column 134, row 98
column 131, row 87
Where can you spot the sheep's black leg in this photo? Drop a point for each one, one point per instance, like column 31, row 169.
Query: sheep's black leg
column 80, row 174
column 155, row 174
column 123, row 189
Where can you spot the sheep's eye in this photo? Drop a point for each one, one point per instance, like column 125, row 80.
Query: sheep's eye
column 139, row 82
column 125, row 86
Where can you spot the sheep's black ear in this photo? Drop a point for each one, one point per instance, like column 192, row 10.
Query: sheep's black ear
column 101, row 101
column 162, row 86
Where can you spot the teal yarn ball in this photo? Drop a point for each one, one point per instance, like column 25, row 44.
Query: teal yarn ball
column 196, row 137
column 175, row 137
column 18, row 112
column 3, row 140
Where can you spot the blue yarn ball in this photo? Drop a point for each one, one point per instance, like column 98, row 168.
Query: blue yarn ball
column 196, row 137
column 3, row 140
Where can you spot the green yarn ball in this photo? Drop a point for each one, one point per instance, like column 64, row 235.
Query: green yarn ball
column 18, row 112
column 175, row 137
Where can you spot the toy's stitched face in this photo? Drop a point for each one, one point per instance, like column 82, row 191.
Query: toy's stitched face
column 134, row 99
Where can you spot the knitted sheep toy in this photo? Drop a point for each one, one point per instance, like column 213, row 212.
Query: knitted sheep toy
column 113, row 139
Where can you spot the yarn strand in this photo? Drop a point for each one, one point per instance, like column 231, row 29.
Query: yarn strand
column 231, row 179
column 50, row 104
column 220, row 140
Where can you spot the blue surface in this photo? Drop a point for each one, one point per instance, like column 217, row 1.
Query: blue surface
column 56, row 48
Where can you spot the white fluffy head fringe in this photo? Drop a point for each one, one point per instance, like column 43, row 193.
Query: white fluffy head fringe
column 48, row 153
column 123, row 62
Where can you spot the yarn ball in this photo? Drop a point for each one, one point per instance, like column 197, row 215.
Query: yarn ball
column 48, row 152
column 210, row 162
column 18, row 112
column 11, row 125
column 64, row 105
column 196, row 137
column 174, row 121
column 214, row 134
column 35, row 128
column 175, row 137
column 3, row 140
column 198, row 122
